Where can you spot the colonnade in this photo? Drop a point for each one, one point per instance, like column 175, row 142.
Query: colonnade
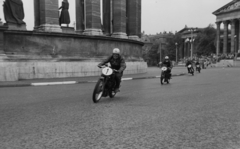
column 229, row 40
column 120, row 19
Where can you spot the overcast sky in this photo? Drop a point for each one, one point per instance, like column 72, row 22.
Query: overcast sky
column 157, row 15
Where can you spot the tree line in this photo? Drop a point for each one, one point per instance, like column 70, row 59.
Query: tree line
column 204, row 45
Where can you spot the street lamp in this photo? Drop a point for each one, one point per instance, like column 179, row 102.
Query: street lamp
column 235, row 48
column 192, row 40
column 176, row 52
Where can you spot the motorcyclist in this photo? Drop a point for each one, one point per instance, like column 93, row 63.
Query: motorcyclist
column 117, row 63
column 189, row 62
column 197, row 64
column 166, row 62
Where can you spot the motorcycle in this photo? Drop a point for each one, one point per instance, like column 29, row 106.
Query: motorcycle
column 191, row 69
column 198, row 68
column 164, row 75
column 106, row 85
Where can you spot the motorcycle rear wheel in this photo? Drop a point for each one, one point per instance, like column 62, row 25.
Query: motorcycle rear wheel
column 98, row 91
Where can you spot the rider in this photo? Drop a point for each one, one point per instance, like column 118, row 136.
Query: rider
column 197, row 63
column 166, row 62
column 117, row 63
column 189, row 62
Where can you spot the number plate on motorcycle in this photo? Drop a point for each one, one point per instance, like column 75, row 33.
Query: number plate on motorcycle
column 164, row 68
column 107, row 71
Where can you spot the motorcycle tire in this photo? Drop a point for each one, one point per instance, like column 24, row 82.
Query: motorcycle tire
column 98, row 91
column 161, row 80
column 167, row 80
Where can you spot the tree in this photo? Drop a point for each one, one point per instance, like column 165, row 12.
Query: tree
column 170, row 49
column 205, row 41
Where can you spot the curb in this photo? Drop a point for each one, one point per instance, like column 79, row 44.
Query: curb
column 76, row 82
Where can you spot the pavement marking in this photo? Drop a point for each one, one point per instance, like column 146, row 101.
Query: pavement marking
column 126, row 79
column 76, row 82
column 53, row 83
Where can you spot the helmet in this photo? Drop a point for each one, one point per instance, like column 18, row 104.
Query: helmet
column 166, row 57
column 116, row 51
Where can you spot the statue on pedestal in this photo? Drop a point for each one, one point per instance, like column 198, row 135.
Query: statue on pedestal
column 64, row 17
column 13, row 12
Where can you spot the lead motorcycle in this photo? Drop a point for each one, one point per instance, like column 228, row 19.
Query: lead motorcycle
column 191, row 69
column 165, row 76
column 106, row 84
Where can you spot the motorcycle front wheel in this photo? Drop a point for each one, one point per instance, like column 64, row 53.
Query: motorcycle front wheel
column 98, row 91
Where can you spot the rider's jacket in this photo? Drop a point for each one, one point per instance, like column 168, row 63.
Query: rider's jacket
column 188, row 63
column 117, row 64
column 167, row 63
column 197, row 63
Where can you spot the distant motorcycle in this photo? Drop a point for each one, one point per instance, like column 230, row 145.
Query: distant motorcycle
column 105, row 85
column 198, row 68
column 191, row 69
column 165, row 76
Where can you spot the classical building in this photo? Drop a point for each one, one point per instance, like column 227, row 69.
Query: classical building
column 188, row 35
column 229, row 16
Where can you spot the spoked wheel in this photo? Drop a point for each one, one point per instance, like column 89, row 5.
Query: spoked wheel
column 98, row 91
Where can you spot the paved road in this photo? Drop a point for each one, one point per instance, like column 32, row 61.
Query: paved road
column 193, row 112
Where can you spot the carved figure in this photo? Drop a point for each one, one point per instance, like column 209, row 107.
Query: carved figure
column 64, row 17
column 13, row 11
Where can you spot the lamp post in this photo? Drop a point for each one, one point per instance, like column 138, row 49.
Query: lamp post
column 192, row 40
column 176, row 52
column 235, row 48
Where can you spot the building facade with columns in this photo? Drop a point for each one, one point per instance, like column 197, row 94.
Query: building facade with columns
column 228, row 16
column 188, row 35
column 49, row 51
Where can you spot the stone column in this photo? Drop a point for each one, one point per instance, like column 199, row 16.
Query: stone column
column 46, row 16
column 133, row 19
column 185, row 48
column 238, row 36
column 119, row 19
column 2, row 29
column 107, row 17
column 225, row 37
column 93, row 18
column 218, row 37
column 140, row 18
column 80, row 24
column 233, row 22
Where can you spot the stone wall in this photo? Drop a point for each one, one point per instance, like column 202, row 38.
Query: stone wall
column 13, row 71
column 32, row 55
column 41, row 45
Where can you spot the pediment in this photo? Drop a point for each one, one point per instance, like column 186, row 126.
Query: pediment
column 235, row 4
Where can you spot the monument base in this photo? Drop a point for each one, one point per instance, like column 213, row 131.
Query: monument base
column 48, row 28
column 14, row 71
column 92, row 32
column 120, row 35
column 68, row 30
column 3, row 56
column 12, row 26
column 134, row 38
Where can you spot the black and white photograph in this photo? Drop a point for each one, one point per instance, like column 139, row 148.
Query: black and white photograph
column 119, row 74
